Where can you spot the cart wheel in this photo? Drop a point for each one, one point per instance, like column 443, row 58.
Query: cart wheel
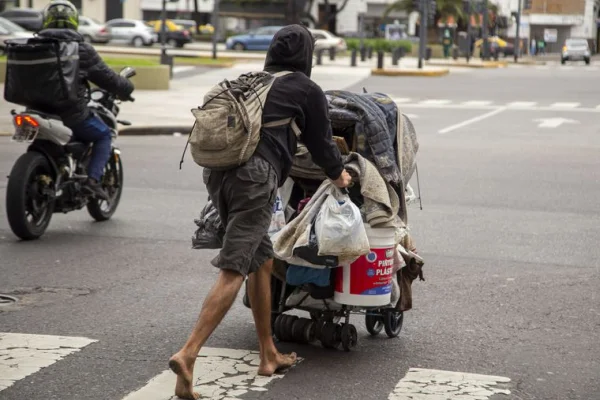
column 246, row 299
column 392, row 322
column 374, row 323
column 286, row 328
column 315, row 315
column 298, row 330
column 319, row 327
column 310, row 331
column 277, row 326
column 329, row 336
column 349, row 337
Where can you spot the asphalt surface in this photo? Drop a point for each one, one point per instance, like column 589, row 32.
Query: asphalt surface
column 509, row 232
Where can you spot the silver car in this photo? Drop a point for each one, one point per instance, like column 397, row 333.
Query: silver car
column 10, row 30
column 576, row 50
column 92, row 30
column 131, row 31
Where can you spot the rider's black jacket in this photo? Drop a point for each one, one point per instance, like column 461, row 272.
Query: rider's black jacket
column 92, row 69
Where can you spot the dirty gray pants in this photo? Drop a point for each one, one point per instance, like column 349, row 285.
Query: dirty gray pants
column 244, row 198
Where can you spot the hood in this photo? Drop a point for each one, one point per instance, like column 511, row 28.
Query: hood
column 62, row 34
column 291, row 49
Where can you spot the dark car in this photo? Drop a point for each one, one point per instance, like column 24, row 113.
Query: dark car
column 27, row 18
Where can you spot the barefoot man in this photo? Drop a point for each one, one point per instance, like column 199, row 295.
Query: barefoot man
column 244, row 198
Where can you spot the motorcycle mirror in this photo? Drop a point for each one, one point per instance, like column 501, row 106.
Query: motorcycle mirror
column 127, row 72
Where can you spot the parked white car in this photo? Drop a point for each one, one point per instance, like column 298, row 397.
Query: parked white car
column 131, row 31
column 9, row 30
column 576, row 50
column 324, row 40
column 92, row 30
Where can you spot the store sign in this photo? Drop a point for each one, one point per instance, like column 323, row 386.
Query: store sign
column 550, row 35
column 555, row 19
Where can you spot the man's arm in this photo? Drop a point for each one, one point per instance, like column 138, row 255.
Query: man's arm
column 101, row 75
column 317, row 134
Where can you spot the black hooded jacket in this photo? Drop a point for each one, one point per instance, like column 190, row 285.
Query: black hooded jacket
column 92, row 69
column 295, row 95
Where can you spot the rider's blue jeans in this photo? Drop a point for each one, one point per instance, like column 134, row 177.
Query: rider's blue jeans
column 94, row 130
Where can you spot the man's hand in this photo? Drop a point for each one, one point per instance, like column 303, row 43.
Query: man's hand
column 344, row 180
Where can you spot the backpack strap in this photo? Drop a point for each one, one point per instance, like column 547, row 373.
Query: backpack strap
column 287, row 121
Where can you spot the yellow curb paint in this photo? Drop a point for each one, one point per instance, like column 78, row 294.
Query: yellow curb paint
column 391, row 72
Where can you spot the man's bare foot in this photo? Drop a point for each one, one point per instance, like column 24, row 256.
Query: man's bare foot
column 184, row 368
column 269, row 365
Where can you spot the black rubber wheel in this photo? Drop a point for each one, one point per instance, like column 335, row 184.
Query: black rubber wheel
column 329, row 336
column 392, row 322
column 277, row 326
column 298, row 330
column 28, row 209
column 315, row 315
column 112, row 182
column 373, row 323
column 349, row 337
column 286, row 328
column 310, row 331
column 246, row 298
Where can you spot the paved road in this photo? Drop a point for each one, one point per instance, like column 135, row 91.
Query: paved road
column 509, row 231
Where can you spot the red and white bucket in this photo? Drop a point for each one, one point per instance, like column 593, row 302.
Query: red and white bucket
column 368, row 280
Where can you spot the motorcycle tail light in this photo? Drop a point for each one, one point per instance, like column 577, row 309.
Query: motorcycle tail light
column 26, row 119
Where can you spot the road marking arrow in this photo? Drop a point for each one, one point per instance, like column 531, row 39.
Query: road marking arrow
column 553, row 122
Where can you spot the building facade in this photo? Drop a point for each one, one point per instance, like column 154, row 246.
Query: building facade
column 554, row 21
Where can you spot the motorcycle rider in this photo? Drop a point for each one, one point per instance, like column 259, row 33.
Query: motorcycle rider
column 60, row 21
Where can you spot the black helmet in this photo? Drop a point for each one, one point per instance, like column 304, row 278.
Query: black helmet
column 61, row 14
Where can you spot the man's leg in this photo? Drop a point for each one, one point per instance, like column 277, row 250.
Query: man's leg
column 93, row 130
column 259, row 291
column 216, row 305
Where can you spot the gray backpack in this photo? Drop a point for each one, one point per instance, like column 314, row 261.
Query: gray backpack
column 228, row 125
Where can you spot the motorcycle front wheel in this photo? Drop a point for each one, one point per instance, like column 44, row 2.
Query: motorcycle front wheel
column 112, row 182
column 29, row 200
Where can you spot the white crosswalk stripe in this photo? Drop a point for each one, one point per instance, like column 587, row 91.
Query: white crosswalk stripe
column 225, row 374
column 23, row 354
column 430, row 384
column 519, row 104
column 565, row 105
column 488, row 105
column 477, row 103
column 435, row 102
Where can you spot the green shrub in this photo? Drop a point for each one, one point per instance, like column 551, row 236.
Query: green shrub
column 388, row 46
column 353, row 44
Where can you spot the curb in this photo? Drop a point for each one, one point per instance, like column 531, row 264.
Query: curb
column 155, row 130
column 392, row 72
column 216, row 65
column 487, row 65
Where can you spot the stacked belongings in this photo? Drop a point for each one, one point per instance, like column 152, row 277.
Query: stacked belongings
column 379, row 145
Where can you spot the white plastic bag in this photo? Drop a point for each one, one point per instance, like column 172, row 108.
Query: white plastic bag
column 339, row 228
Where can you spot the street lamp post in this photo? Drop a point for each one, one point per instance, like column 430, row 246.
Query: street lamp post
column 518, row 35
column 164, row 58
column 423, row 32
column 216, row 24
column 469, row 30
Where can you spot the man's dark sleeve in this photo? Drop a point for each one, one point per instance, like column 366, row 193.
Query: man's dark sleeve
column 101, row 75
column 317, row 134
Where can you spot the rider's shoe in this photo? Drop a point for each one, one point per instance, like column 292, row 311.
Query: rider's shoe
column 94, row 188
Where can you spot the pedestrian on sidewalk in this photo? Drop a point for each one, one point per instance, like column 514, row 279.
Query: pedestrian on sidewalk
column 244, row 197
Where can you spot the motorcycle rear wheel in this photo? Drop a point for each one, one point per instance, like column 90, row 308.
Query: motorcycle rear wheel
column 28, row 210
column 112, row 182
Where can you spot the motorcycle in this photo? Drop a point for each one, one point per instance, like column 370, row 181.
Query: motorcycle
column 48, row 178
